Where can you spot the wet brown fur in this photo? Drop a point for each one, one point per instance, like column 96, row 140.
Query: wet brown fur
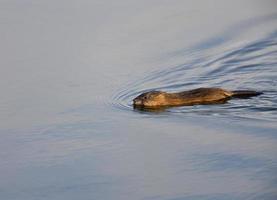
column 192, row 97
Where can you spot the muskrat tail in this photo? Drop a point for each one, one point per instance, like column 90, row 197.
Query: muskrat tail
column 245, row 93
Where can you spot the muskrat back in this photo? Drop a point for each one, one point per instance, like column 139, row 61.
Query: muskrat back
column 190, row 97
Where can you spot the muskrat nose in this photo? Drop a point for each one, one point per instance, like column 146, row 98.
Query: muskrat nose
column 137, row 102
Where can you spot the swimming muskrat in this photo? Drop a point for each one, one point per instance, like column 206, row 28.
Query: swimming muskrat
column 156, row 99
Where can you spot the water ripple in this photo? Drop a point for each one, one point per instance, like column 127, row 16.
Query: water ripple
column 249, row 65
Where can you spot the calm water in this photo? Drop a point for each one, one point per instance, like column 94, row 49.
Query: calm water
column 70, row 69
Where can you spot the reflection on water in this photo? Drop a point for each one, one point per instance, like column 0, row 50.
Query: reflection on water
column 71, row 69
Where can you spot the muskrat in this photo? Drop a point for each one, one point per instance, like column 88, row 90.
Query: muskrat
column 156, row 99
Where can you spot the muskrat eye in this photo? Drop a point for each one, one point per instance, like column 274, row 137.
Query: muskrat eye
column 145, row 97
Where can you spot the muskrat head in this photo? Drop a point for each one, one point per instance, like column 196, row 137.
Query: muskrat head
column 150, row 99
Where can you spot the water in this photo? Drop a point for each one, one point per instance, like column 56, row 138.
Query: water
column 249, row 65
column 69, row 72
